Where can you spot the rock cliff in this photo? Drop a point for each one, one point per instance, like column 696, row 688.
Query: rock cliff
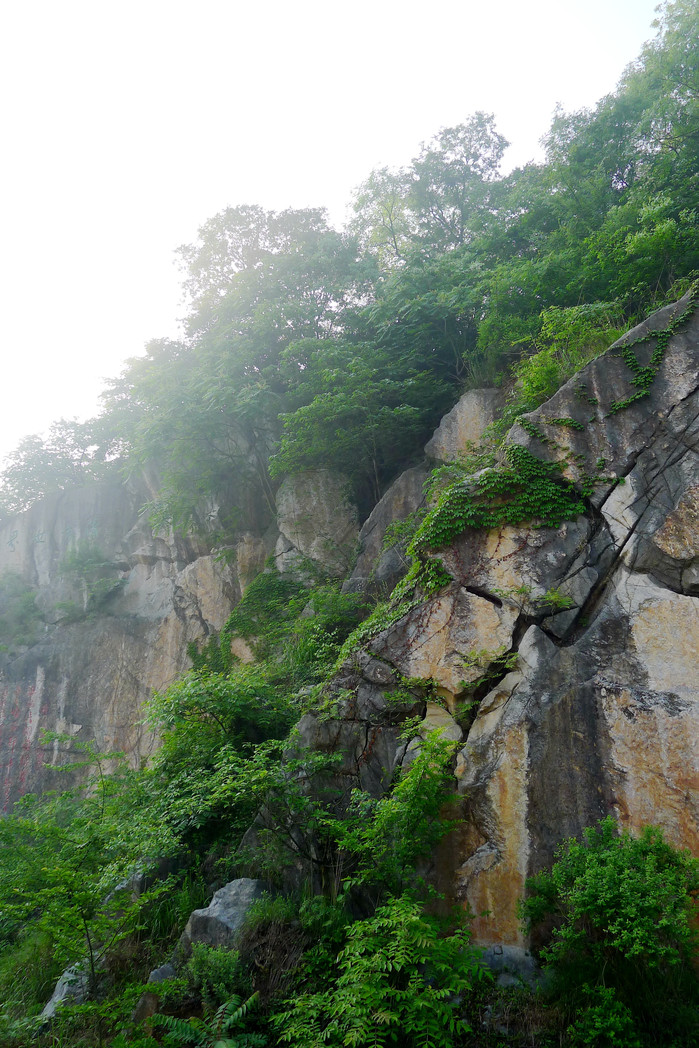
column 115, row 606
column 578, row 644
column 563, row 660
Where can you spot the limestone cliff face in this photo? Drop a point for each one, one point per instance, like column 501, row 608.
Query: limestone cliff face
column 596, row 708
column 107, row 636
column 597, row 711
column 119, row 605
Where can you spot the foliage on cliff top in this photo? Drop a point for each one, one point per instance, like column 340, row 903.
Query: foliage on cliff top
column 19, row 614
column 359, row 340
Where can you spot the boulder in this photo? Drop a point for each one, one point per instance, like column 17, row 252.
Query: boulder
column 220, row 923
column 512, row 966
column 378, row 569
column 73, row 987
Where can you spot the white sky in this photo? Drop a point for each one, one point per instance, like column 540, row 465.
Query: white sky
column 126, row 125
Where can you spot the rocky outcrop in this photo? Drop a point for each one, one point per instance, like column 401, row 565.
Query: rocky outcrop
column 73, row 987
column 464, row 426
column 117, row 606
column 579, row 643
column 380, row 564
column 317, row 522
column 561, row 661
column 219, row 924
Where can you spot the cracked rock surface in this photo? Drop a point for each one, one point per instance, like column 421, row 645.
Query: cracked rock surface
column 599, row 711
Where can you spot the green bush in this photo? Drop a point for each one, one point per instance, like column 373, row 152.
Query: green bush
column 624, row 911
column 397, row 981
column 214, row 974
column 95, row 576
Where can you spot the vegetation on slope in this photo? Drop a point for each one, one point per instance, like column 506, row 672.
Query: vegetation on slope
column 106, row 876
column 306, row 347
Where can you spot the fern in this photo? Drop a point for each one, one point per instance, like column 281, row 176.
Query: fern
column 211, row 1034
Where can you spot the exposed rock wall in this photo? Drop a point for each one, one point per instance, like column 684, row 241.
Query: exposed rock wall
column 464, row 425
column 594, row 710
column 317, row 521
column 597, row 708
column 119, row 604
column 93, row 661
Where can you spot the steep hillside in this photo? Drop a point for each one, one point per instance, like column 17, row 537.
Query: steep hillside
column 563, row 659
column 545, row 619
column 362, row 625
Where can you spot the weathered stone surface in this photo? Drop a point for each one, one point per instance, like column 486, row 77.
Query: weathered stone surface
column 654, row 516
column 72, row 988
column 378, row 569
column 250, row 555
column 464, row 425
column 89, row 669
column 512, row 966
column 432, row 641
column 160, row 974
column 220, row 923
column 595, row 710
column 316, row 521
column 436, row 718
column 617, row 437
column 600, row 713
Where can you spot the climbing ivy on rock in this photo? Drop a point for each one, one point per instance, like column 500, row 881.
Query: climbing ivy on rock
column 644, row 375
column 521, row 490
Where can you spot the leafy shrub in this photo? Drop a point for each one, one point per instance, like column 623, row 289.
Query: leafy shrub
column 270, row 604
column 381, row 841
column 202, row 712
column 396, row 980
column 605, row 1022
column 569, row 338
column 214, row 974
column 95, row 576
column 625, row 911
column 224, row 1030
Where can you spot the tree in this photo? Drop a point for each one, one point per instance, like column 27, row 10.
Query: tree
column 67, row 457
column 396, row 980
column 451, row 182
column 439, row 202
column 360, row 414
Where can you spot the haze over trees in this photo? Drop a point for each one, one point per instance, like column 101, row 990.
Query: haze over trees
column 309, row 347
column 344, row 348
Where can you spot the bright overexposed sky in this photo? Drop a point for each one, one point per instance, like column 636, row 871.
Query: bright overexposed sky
column 126, row 125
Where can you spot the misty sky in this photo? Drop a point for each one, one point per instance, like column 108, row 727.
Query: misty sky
column 125, row 126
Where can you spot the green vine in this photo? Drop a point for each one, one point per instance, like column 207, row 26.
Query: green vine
column 571, row 423
column 424, row 579
column 384, row 615
column 526, row 489
column 583, row 393
column 644, row 374
column 270, row 601
column 533, row 430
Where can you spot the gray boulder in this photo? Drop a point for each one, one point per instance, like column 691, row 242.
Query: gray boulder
column 220, row 923
column 464, row 425
column 316, row 521
column 376, row 568
column 73, row 987
column 512, row 966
